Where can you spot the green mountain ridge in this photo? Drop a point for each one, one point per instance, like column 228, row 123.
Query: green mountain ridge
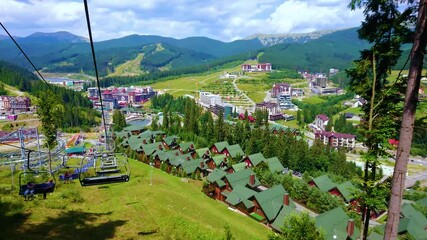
column 336, row 49
column 65, row 52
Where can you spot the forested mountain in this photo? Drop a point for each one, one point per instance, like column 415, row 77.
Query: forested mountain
column 335, row 50
column 274, row 39
column 57, row 37
column 64, row 52
column 78, row 113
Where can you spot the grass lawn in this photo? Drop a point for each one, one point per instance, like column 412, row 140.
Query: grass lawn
column 292, row 124
column 356, row 110
column 129, row 68
column 313, row 100
column 255, row 92
column 191, row 83
column 172, row 208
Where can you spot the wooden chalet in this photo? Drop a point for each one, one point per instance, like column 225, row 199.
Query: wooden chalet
column 170, row 142
column 344, row 190
column 324, row 183
column 218, row 147
column 412, row 222
column 203, row 153
column 218, row 161
column 274, row 165
column 287, row 208
column 233, row 151
column 135, row 129
column 254, row 159
column 268, row 203
column 216, row 184
column 122, row 134
column 162, row 157
column 280, row 129
column 239, row 199
column 246, row 177
column 196, row 166
column 187, row 147
column 336, row 224
column 237, row 167
column 149, row 149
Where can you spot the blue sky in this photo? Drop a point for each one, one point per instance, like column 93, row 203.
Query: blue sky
column 225, row 20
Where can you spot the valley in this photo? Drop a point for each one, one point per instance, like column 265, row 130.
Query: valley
column 241, row 135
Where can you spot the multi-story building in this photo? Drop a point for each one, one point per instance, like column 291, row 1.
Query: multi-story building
column 208, row 99
column 14, row 104
column 121, row 96
column 260, row 67
column 336, row 140
column 272, row 108
column 281, row 89
column 321, row 80
column 321, row 121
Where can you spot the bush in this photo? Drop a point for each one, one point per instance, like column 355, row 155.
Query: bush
column 6, row 189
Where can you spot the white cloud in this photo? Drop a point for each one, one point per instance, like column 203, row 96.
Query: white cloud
column 302, row 16
column 219, row 19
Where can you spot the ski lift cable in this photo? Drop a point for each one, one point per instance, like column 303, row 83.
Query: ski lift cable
column 35, row 68
column 96, row 69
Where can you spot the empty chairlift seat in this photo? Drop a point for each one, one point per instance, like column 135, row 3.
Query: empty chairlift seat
column 105, row 169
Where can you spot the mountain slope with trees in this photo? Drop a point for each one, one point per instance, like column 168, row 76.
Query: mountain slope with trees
column 78, row 113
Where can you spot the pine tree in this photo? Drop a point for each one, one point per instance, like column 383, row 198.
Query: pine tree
column 50, row 113
column 387, row 26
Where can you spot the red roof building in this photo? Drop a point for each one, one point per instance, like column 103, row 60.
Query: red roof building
column 321, row 121
column 260, row 67
column 336, row 140
column 281, row 89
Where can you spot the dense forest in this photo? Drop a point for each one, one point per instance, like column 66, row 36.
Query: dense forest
column 79, row 113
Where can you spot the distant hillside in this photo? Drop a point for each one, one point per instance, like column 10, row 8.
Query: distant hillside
column 335, row 50
column 61, row 36
column 79, row 112
column 64, row 52
column 274, row 39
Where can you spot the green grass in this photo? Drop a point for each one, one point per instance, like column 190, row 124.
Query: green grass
column 255, row 92
column 129, row 68
column 292, row 124
column 356, row 110
column 313, row 100
column 169, row 209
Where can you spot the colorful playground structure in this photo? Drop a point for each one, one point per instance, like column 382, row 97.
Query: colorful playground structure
column 75, row 140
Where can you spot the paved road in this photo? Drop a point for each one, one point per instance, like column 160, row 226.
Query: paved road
column 410, row 180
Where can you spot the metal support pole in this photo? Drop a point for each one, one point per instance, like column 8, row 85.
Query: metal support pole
column 38, row 147
column 21, row 140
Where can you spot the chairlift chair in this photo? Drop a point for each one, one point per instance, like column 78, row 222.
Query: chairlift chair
column 36, row 177
column 104, row 168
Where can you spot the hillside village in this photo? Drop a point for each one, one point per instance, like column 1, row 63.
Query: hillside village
column 180, row 136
